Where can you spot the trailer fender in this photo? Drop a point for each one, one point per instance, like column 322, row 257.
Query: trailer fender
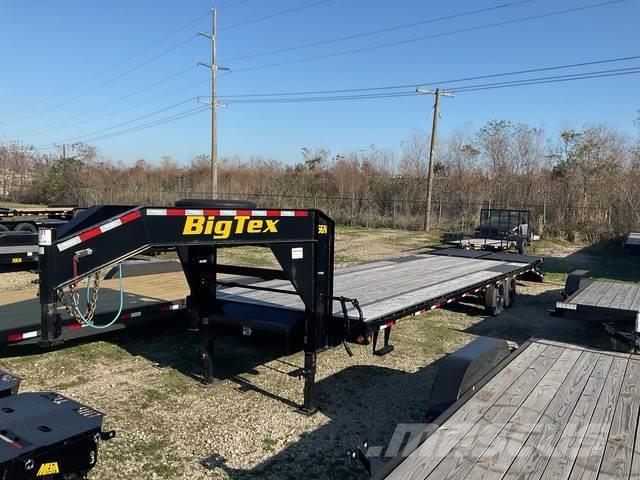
column 461, row 371
column 575, row 281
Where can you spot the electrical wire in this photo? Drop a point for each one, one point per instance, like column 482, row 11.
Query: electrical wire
column 66, row 124
column 137, row 53
column 440, row 82
column 161, row 121
column 106, row 82
column 432, row 36
column 273, row 15
column 376, row 32
column 96, row 132
column 111, row 102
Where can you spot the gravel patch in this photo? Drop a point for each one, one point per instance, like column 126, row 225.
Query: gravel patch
column 17, row 280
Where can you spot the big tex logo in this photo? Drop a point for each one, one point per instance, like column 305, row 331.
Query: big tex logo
column 221, row 229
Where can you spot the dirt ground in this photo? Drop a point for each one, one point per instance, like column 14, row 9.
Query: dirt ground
column 245, row 426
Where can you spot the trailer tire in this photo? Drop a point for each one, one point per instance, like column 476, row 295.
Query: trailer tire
column 26, row 227
column 4, row 228
column 510, row 292
column 207, row 202
column 521, row 246
column 494, row 299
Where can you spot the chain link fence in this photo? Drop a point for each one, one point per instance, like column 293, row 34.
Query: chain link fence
column 590, row 223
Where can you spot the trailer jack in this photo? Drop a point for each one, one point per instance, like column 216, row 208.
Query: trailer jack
column 386, row 347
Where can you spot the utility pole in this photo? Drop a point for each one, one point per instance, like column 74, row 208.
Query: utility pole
column 432, row 150
column 213, row 103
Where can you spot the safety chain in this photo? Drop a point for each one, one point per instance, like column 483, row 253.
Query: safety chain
column 74, row 310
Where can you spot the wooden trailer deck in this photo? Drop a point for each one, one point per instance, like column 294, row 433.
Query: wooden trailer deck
column 603, row 300
column 553, row 412
column 390, row 287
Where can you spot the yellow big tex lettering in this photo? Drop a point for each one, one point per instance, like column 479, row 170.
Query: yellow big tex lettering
column 221, row 229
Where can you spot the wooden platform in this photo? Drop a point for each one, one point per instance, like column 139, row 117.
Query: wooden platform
column 389, row 286
column 554, row 412
column 603, row 301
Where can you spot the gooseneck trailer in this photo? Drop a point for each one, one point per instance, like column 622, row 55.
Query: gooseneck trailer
column 297, row 301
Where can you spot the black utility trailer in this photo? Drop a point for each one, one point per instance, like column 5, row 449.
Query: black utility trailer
column 19, row 233
column 616, row 305
column 547, row 411
column 297, row 301
column 498, row 230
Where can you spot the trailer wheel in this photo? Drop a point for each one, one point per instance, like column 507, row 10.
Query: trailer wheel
column 494, row 299
column 4, row 228
column 26, row 227
column 521, row 246
column 205, row 202
column 510, row 293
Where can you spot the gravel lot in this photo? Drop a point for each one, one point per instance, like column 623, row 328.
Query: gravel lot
column 245, row 426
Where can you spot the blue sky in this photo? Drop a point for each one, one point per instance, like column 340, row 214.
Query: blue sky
column 53, row 52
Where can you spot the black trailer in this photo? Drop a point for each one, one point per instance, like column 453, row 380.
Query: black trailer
column 632, row 244
column 297, row 301
column 498, row 230
column 614, row 304
column 19, row 233
column 547, row 411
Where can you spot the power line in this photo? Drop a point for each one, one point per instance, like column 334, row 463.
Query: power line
column 430, row 37
column 470, row 88
column 273, row 15
column 377, row 32
column 463, row 89
column 116, row 100
column 107, row 82
column 80, row 137
column 440, row 82
column 98, row 117
column 161, row 121
column 122, row 62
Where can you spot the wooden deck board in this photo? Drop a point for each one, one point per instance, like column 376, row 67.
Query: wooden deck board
column 573, row 417
column 618, row 454
column 436, row 447
column 495, row 461
column 467, row 452
column 578, row 391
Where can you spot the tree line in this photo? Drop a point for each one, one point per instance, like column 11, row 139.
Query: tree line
column 581, row 184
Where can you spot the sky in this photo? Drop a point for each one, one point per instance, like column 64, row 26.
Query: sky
column 82, row 70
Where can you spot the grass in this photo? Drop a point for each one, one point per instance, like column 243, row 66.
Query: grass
column 605, row 260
